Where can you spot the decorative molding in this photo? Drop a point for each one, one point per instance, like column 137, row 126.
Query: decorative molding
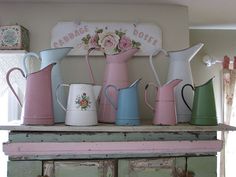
column 123, row 147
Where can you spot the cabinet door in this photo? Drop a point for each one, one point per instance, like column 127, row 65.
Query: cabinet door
column 202, row 166
column 83, row 168
column 161, row 167
column 24, row 169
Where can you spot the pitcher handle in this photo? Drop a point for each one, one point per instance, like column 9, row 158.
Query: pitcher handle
column 152, row 66
column 108, row 96
column 89, row 66
column 26, row 56
column 182, row 95
column 9, row 83
column 145, row 95
column 57, row 95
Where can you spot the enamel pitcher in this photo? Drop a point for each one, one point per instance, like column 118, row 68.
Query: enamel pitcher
column 165, row 105
column 38, row 102
column 48, row 56
column 116, row 73
column 179, row 68
column 127, row 105
column 81, row 104
column 203, row 109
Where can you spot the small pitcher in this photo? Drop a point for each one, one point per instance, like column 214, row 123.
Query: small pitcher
column 204, row 109
column 38, row 102
column 127, row 108
column 165, row 106
column 81, row 104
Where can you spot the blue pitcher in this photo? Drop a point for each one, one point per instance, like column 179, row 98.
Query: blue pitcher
column 127, row 108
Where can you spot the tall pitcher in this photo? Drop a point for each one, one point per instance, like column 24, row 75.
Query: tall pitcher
column 48, row 56
column 116, row 73
column 179, row 68
column 37, row 106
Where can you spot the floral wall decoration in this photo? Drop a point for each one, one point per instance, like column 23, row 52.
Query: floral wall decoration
column 107, row 38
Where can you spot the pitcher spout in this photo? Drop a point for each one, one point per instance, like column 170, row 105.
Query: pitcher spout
column 55, row 54
column 186, row 54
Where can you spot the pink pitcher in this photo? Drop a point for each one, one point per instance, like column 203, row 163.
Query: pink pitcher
column 116, row 73
column 38, row 104
column 165, row 107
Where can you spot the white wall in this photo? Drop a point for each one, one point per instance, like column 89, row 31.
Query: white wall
column 40, row 19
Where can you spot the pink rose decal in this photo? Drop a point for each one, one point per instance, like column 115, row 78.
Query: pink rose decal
column 108, row 42
column 125, row 43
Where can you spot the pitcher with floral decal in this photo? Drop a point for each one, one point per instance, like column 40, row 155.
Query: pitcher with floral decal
column 48, row 56
column 118, row 49
column 81, row 104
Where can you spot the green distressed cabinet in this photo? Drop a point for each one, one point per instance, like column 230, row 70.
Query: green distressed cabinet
column 113, row 151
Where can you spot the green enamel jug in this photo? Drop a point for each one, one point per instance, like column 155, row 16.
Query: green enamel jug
column 203, row 109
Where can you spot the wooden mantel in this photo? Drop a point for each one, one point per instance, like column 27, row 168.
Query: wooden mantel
column 113, row 128
column 111, row 141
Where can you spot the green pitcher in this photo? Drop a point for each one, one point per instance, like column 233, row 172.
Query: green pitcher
column 203, row 109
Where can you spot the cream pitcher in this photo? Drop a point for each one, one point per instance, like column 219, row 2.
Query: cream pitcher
column 81, row 104
column 38, row 104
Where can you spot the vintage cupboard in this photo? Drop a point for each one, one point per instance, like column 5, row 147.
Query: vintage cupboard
column 113, row 151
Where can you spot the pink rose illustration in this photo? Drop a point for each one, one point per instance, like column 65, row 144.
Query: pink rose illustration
column 109, row 41
column 93, row 42
column 125, row 43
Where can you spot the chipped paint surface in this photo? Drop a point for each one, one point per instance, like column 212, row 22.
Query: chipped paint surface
column 163, row 167
column 85, row 168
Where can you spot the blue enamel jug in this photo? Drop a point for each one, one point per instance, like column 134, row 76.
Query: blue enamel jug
column 127, row 108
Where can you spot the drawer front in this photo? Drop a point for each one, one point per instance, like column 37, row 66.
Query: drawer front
column 24, row 169
column 80, row 168
column 202, row 166
column 162, row 167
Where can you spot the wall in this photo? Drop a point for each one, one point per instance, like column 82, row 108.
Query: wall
column 218, row 43
column 40, row 19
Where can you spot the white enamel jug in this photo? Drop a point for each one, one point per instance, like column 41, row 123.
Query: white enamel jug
column 179, row 68
column 81, row 104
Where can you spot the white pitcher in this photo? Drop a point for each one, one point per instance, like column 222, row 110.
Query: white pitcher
column 81, row 104
column 179, row 68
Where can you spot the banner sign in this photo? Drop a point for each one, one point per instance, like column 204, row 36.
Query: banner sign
column 112, row 36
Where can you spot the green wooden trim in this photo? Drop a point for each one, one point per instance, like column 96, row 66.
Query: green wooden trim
column 106, row 156
column 114, row 128
column 108, row 137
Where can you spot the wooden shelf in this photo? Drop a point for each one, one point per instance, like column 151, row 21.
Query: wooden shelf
column 114, row 128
